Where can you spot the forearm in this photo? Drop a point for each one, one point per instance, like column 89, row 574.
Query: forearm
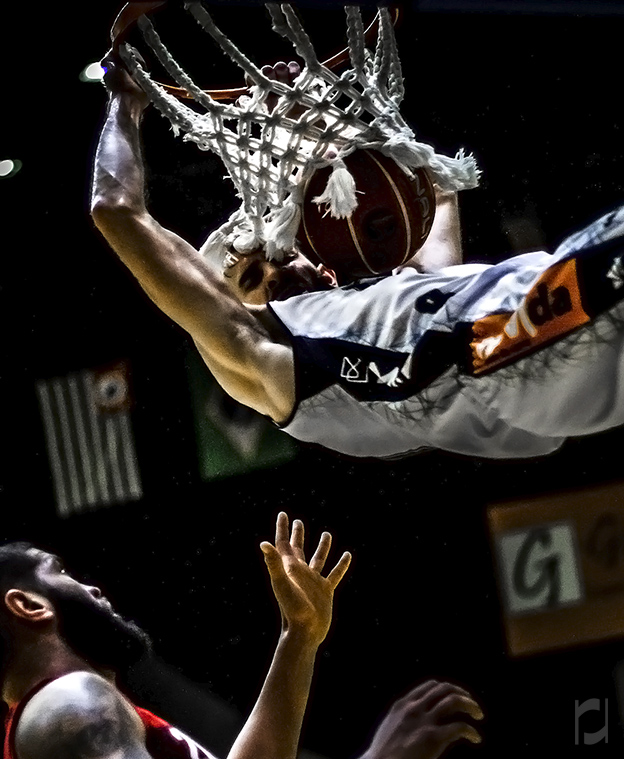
column 443, row 246
column 119, row 211
column 164, row 265
column 236, row 345
column 171, row 271
column 118, row 176
column 274, row 725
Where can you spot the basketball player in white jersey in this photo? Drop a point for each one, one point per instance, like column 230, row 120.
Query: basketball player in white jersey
column 488, row 361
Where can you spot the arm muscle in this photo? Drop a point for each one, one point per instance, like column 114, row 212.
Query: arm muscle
column 247, row 361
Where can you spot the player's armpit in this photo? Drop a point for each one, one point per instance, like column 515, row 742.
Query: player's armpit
column 265, row 382
column 80, row 716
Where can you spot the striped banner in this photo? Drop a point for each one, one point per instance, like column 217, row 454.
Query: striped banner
column 88, row 432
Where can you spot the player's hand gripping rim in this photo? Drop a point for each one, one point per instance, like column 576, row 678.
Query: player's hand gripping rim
column 117, row 79
column 304, row 595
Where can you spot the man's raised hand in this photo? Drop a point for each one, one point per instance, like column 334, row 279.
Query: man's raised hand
column 304, row 595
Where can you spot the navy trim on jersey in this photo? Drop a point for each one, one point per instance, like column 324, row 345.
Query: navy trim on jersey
column 366, row 372
column 369, row 373
column 598, row 269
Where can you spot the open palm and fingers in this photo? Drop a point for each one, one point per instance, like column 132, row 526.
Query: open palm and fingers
column 304, row 595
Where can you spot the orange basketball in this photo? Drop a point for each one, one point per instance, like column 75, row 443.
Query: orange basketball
column 391, row 222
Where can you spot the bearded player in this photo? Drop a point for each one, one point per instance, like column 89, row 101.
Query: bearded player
column 63, row 646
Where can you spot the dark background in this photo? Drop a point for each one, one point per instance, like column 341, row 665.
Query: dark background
column 534, row 89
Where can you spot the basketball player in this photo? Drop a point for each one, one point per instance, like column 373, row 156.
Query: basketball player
column 487, row 361
column 63, row 645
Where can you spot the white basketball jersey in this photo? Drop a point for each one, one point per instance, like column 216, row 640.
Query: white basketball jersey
column 393, row 365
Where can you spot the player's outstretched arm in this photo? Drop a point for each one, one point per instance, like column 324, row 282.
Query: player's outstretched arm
column 80, row 715
column 426, row 722
column 305, row 599
column 249, row 362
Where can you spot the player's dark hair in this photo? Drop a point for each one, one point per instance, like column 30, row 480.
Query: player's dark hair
column 18, row 563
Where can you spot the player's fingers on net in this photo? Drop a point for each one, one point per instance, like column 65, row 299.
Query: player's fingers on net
column 456, row 703
column 294, row 69
column 282, row 72
column 297, row 538
column 268, row 71
column 340, row 570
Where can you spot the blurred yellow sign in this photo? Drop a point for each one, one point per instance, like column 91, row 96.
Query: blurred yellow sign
column 560, row 568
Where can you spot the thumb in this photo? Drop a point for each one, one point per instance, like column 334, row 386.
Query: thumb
column 272, row 559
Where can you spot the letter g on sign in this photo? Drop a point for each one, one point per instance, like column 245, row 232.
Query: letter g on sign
column 538, row 572
column 539, row 567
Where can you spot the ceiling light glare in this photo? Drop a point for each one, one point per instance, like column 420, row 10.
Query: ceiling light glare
column 92, row 73
column 9, row 167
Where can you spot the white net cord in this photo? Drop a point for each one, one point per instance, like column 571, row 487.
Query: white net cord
column 270, row 154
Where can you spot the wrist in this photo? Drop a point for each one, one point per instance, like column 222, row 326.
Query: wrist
column 301, row 637
column 128, row 104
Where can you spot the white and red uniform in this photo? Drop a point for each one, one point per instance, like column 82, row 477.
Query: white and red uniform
column 495, row 361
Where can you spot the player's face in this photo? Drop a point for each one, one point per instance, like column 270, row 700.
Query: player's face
column 256, row 281
column 87, row 620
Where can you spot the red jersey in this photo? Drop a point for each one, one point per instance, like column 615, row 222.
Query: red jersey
column 163, row 741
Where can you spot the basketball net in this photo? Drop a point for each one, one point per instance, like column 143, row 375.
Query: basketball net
column 269, row 155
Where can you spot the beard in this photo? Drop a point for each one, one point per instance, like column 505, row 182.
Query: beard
column 95, row 632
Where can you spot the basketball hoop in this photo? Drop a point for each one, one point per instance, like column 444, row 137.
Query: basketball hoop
column 268, row 152
column 131, row 12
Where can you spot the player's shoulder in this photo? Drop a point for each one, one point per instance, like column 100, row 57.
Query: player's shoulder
column 70, row 690
column 71, row 714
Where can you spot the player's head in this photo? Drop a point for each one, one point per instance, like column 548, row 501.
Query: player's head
column 38, row 598
column 256, row 280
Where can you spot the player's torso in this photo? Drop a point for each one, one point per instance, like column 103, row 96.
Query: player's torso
column 374, row 358
column 392, row 312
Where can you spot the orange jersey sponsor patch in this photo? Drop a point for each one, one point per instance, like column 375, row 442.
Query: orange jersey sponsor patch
column 551, row 309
